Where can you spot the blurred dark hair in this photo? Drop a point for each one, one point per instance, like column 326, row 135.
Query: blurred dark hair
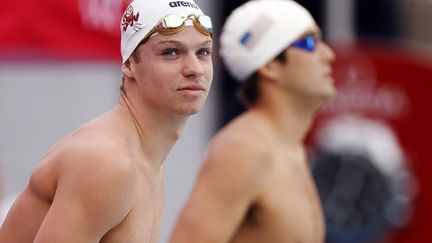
column 248, row 92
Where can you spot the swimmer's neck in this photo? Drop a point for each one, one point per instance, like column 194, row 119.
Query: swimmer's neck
column 157, row 132
column 290, row 126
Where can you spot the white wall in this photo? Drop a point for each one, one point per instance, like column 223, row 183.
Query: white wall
column 41, row 102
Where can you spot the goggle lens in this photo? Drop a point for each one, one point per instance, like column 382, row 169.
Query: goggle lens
column 307, row 43
column 205, row 23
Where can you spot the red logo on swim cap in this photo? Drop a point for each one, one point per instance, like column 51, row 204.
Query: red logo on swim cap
column 129, row 19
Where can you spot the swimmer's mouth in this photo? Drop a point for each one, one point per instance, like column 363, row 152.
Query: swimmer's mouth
column 192, row 87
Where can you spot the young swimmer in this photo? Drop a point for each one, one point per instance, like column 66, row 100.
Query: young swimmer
column 104, row 182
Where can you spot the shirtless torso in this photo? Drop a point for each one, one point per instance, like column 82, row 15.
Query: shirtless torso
column 99, row 181
column 286, row 208
column 253, row 188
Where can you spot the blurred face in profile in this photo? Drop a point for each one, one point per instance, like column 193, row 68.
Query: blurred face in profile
column 307, row 70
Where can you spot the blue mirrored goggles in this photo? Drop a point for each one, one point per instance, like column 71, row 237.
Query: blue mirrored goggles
column 307, row 43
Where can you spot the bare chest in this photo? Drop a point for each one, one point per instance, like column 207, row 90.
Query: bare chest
column 288, row 210
column 143, row 223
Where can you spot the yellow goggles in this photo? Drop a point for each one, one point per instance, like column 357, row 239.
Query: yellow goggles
column 172, row 24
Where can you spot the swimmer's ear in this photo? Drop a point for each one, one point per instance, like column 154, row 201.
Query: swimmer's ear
column 269, row 71
column 126, row 69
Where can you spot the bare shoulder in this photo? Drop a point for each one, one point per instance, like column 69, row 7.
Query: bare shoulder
column 97, row 144
column 243, row 138
column 97, row 170
column 90, row 160
column 240, row 149
column 93, row 154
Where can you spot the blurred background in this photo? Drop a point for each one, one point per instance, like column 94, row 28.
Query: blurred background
column 369, row 147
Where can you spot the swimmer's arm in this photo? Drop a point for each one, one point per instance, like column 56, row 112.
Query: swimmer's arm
column 93, row 195
column 225, row 189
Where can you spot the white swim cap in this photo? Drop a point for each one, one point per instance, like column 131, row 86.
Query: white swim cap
column 142, row 15
column 258, row 31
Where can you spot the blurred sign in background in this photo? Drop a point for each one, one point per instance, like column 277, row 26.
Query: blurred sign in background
column 70, row 29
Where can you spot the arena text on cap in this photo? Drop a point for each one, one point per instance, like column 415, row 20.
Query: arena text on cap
column 176, row 4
